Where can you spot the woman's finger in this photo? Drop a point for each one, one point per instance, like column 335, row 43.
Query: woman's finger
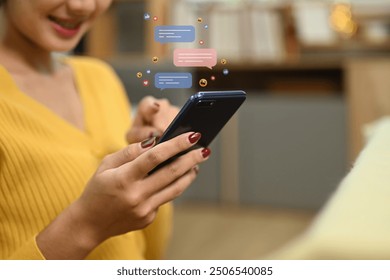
column 174, row 170
column 127, row 154
column 165, row 114
column 137, row 134
column 146, row 109
column 146, row 162
column 175, row 189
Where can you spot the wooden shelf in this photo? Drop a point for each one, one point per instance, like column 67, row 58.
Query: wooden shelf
column 103, row 38
column 305, row 69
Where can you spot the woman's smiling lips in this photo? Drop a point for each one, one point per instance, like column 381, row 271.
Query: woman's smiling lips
column 65, row 27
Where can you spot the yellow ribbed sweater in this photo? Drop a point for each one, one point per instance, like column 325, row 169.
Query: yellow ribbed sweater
column 45, row 162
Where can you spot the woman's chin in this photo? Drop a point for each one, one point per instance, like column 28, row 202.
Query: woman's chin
column 61, row 46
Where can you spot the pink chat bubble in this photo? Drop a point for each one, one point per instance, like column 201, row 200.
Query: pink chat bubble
column 195, row 57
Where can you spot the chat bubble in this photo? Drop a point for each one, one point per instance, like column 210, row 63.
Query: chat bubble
column 195, row 57
column 174, row 33
column 173, row 80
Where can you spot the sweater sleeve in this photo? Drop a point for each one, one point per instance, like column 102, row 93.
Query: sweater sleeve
column 45, row 162
column 28, row 251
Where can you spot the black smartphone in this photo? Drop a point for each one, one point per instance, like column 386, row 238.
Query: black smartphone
column 206, row 112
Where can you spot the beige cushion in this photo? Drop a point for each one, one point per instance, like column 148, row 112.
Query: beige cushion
column 355, row 223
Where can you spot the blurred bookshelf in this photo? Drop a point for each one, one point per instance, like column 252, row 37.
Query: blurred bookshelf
column 248, row 32
column 272, row 46
column 308, row 41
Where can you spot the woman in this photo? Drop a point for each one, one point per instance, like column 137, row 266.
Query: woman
column 70, row 186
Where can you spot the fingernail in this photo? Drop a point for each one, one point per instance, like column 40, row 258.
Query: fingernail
column 206, row 152
column 154, row 134
column 156, row 105
column 148, row 142
column 194, row 137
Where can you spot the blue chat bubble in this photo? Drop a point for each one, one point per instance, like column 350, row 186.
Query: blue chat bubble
column 173, row 80
column 174, row 33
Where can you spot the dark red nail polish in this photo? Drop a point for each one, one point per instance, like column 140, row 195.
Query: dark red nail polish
column 148, row 142
column 206, row 152
column 194, row 137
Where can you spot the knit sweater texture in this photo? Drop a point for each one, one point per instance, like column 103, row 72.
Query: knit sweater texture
column 45, row 163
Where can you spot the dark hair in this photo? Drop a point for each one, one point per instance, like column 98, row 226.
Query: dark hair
column 2, row 2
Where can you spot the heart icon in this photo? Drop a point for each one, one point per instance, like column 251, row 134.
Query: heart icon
column 146, row 83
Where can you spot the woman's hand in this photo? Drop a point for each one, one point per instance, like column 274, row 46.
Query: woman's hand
column 152, row 118
column 121, row 197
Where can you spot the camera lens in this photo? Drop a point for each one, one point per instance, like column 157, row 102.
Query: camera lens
column 205, row 103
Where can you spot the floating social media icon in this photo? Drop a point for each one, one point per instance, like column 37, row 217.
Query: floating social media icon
column 206, row 26
column 225, row 72
column 203, row 82
column 146, row 16
column 201, row 42
column 139, row 75
column 173, row 80
column 155, row 18
column 200, row 19
column 145, row 83
column 212, row 78
column 174, row 33
column 155, row 59
column 195, row 57
column 223, row 61
column 148, row 71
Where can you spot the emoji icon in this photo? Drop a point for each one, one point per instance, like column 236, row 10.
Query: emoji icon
column 225, row 72
column 203, row 82
column 155, row 59
column 201, row 42
column 139, row 75
column 200, row 19
column 206, row 26
column 148, row 71
column 146, row 16
column 155, row 18
column 145, row 83
column 223, row 61
column 212, row 78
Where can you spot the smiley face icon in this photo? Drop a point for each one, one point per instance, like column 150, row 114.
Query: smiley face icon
column 203, row 82
column 139, row 75
column 155, row 59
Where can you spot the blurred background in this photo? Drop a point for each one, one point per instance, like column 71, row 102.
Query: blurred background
column 315, row 73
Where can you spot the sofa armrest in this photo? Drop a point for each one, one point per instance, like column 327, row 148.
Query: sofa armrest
column 355, row 223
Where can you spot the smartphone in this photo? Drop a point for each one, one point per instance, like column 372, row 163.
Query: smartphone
column 206, row 112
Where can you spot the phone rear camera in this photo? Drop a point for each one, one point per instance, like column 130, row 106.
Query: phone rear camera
column 205, row 103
